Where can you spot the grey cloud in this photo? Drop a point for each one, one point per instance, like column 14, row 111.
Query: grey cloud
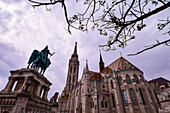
column 5, row 18
column 9, row 58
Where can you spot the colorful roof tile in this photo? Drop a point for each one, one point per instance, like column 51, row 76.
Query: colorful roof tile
column 121, row 64
column 96, row 76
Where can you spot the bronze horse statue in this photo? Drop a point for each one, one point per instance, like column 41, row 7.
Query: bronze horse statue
column 39, row 60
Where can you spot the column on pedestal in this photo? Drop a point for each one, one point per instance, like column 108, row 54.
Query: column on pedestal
column 9, row 84
column 45, row 93
column 39, row 90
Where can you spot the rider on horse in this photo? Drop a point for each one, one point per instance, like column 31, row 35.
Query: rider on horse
column 40, row 60
column 44, row 54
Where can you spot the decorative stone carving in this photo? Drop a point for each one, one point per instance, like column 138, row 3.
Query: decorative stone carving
column 54, row 98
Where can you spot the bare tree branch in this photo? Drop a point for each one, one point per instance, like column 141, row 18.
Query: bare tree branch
column 166, row 42
column 53, row 3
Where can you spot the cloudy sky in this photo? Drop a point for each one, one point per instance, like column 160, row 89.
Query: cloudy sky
column 23, row 29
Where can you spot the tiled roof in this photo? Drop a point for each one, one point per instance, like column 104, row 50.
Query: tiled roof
column 121, row 64
column 96, row 76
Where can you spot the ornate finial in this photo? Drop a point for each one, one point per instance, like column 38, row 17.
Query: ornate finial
column 120, row 54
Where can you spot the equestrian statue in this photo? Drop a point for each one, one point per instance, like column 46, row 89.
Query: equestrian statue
column 39, row 60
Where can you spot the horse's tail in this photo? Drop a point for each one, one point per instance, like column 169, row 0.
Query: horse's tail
column 33, row 56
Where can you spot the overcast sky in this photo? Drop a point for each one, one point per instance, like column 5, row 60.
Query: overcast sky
column 23, row 29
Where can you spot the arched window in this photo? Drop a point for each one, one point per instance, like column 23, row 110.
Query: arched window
column 136, row 79
column 103, row 86
column 125, row 98
column 103, row 103
column 113, row 101
column 92, row 103
column 73, row 78
column 69, row 79
column 71, row 69
column 141, row 95
column 121, row 81
column 128, row 80
column 14, row 86
column 133, row 97
column 111, row 83
column 74, row 69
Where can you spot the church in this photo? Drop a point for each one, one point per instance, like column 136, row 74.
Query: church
column 119, row 87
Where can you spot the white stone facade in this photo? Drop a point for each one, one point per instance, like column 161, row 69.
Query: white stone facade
column 118, row 88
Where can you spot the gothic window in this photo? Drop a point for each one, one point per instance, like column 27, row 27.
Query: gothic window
column 74, row 69
column 141, row 95
column 111, row 82
column 14, row 86
column 133, row 97
column 136, row 79
column 128, row 80
column 92, row 103
column 104, row 103
column 73, row 78
column 69, row 79
column 70, row 69
column 125, row 98
column 121, row 81
column 113, row 100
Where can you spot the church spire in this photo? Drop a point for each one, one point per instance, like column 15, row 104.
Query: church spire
column 87, row 67
column 101, row 63
column 75, row 51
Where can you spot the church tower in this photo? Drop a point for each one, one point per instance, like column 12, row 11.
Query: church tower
column 73, row 70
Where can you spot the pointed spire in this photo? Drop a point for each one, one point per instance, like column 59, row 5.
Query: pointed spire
column 87, row 67
column 75, row 51
column 101, row 63
column 101, row 60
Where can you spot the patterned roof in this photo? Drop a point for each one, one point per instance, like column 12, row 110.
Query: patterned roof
column 96, row 76
column 121, row 64
column 107, row 70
